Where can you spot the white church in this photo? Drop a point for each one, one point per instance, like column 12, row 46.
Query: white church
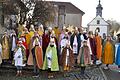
column 98, row 22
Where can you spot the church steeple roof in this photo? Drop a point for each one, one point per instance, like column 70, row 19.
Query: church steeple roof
column 99, row 9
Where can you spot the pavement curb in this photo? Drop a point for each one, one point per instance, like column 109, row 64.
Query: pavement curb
column 103, row 74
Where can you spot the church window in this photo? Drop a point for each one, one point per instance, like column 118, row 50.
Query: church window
column 98, row 21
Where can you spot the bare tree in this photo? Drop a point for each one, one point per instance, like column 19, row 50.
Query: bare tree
column 43, row 12
column 114, row 25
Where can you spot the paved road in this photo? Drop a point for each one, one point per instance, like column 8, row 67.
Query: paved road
column 92, row 73
column 112, row 73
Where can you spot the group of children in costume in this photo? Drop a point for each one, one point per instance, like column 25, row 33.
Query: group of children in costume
column 45, row 51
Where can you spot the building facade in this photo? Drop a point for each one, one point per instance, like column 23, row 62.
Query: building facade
column 98, row 22
column 67, row 14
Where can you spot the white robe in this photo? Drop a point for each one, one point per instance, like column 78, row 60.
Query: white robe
column 18, row 57
column 82, row 39
column 67, row 56
column 75, row 45
column 13, row 44
column 49, row 58
column 63, row 44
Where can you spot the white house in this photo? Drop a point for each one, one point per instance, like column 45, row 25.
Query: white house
column 99, row 22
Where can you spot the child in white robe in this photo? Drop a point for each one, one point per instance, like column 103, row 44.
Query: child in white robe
column 18, row 57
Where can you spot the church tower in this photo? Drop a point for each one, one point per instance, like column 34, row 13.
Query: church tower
column 98, row 22
column 99, row 9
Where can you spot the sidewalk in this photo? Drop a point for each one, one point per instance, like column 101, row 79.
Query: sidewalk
column 91, row 73
column 113, row 67
column 112, row 73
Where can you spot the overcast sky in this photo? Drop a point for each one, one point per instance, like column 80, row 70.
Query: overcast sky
column 111, row 9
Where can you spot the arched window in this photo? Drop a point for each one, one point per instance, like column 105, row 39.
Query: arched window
column 98, row 21
column 97, row 29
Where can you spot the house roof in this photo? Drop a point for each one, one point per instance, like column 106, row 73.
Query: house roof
column 94, row 22
column 69, row 7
